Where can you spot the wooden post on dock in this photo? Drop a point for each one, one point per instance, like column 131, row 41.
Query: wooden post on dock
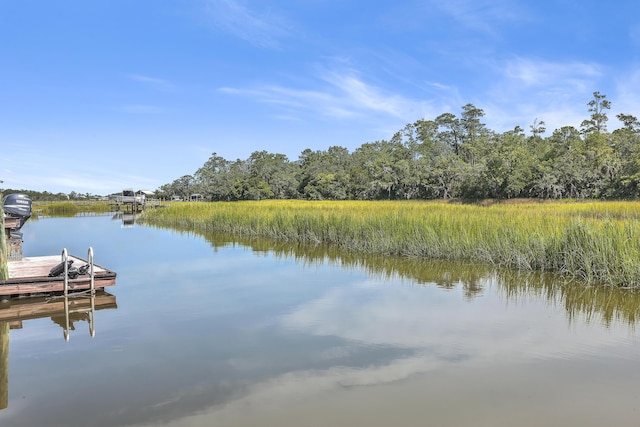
column 4, row 267
column 4, row 365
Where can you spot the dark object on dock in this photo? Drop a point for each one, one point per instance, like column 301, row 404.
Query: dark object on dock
column 57, row 270
column 72, row 272
column 17, row 206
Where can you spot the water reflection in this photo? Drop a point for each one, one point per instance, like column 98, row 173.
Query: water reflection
column 63, row 311
column 128, row 218
column 594, row 303
column 601, row 304
column 361, row 353
column 232, row 332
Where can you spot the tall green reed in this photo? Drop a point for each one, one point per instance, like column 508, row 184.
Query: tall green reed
column 595, row 242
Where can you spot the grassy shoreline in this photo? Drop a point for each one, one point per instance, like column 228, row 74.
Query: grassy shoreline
column 598, row 242
column 70, row 208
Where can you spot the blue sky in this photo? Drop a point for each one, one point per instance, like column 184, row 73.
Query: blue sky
column 107, row 94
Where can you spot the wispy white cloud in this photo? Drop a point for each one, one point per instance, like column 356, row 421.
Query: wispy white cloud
column 525, row 89
column 521, row 90
column 278, row 95
column 153, row 82
column 538, row 72
column 342, row 95
column 439, row 86
column 362, row 96
column 286, row 117
column 263, row 28
column 558, row 92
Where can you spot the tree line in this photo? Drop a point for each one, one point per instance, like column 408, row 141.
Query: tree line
column 45, row 196
column 447, row 157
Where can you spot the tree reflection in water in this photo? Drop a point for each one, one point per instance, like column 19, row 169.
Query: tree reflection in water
column 594, row 303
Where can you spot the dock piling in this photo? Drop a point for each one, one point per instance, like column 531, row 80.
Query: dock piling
column 4, row 364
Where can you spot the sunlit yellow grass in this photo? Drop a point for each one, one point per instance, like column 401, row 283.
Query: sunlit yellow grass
column 598, row 242
column 72, row 208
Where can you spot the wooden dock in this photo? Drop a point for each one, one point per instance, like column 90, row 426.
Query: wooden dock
column 10, row 222
column 20, row 276
column 30, row 275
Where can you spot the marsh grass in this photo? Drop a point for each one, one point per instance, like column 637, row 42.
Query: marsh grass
column 596, row 242
column 72, row 208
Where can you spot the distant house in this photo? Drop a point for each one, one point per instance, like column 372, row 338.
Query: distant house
column 196, row 197
column 128, row 196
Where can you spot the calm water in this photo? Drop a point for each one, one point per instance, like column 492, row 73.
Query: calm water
column 211, row 332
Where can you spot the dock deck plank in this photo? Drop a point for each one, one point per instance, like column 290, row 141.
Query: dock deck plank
column 31, row 275
column 39, row 266
column 11, row 222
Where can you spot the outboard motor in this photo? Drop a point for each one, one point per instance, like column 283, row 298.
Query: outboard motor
column 17, row 206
